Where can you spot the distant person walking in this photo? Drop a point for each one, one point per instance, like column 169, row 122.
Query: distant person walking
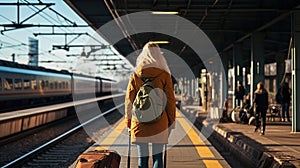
column 260, row 107
column 239, row 94
column 150, row 65
column 285, row 101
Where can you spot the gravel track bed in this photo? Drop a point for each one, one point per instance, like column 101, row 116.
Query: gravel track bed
column 13, row 150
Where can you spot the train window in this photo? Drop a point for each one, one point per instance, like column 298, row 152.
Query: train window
column 51, row 85
column 60, row 85
column 67, row 85
column 33, row 84
column 42, row 84
column 8, row 84
column 46, row 86
column 63, row 85
column 55, row 84
column 18, row 84
column 26, row 84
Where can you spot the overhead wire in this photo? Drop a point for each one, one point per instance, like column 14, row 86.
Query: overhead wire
column 44, row 14
column 24, row 44
column 14, row 39
column 59, row 22
column 51, row 20
column 6, row 18
column 21, row 46
column 14, row 46
column 48, row 21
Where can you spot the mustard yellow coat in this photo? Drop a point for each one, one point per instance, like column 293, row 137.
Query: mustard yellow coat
column 156, row 132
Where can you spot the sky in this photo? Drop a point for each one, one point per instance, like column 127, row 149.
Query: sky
column 16, row 41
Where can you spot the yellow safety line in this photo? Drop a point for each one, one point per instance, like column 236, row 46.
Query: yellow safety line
column 202, row 149
column 112, row 137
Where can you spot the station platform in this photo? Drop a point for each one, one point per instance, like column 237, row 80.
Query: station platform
column 279, row 147
column 187, row 146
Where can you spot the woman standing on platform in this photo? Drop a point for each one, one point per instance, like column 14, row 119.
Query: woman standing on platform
column 260, row 107
column 151, row 65
column 285, row 102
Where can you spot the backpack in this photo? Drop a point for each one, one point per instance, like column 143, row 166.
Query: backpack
column 149, row 102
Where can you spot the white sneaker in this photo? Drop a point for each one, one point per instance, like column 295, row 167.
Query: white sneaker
column 283, row 120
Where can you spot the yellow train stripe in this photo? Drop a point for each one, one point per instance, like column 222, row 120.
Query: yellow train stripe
column 202, row 149
column 112, row 137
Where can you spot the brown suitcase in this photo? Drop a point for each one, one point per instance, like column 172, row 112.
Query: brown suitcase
column 99, row 159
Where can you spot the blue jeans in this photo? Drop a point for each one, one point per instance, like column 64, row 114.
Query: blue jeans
column 285, row 110
column 143, row 155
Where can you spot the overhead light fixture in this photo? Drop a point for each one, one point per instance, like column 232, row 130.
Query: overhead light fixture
column 164, row 13
column 160, row 42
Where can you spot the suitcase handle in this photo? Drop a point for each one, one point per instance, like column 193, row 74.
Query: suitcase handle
column 129, row 149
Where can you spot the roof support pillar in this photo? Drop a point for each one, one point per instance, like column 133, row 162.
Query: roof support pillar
column 257, row 61
column 296, row 72
column 280, row 69
column 237, row 64
column 224, row 58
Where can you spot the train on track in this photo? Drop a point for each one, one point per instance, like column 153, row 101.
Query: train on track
column 28, row 86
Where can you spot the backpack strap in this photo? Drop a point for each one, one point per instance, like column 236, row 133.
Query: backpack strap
column 144, row 79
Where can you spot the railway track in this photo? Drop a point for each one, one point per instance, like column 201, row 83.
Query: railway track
column 61, row 154
column 64, row 149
